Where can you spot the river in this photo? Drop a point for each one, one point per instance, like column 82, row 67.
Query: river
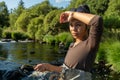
column 34, row 53
column 30, row 53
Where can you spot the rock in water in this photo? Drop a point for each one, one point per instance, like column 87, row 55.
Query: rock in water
column 9, row 71
column 6, row 65
column 36, row 75
column 75, row 74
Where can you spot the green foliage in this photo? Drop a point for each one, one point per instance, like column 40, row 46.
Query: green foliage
column 17, row 35
column 65, row 37
column 35, row 25
column 22, row 21
column 56, row 39
column 48, row 38
column 39, row 35
column 12, row 21
column 114, row 8
column 101, row 54
column 74, row 4
column 113, row 55
column 6, row 34
column 51, row 21
column 20, row 8
column 109, row 51
column 112, row 15
column 112, row 22
column 1, row 30
column 4, row 15
column 15, row 14
column 41, row 8
column 98, row 6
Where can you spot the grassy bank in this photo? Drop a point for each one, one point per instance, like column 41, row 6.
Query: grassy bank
column 109, row 51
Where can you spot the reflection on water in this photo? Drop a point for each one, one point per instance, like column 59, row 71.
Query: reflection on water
column 31, row 53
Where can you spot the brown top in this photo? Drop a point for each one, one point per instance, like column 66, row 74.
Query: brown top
column 82, row 56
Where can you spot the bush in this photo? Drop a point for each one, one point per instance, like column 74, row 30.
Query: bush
column 101, row 54
column 49, row 39
column 1, row 32
column 19, row 36
column 6, row 34
column 65, row 37
column 57, row 39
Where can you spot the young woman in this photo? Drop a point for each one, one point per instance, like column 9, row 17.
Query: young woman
column 86, row 29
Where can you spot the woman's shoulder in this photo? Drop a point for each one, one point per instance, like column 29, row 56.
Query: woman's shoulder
column 71, row 45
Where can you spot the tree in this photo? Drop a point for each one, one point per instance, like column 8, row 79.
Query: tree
column 20, row 8
column 15, row 14
column 12, row 20
column 75, row 4
column 42, row 8
column 51, row 22
column 112, row 15
column 98, row 6
column 35, row 26
column 72, row 4
column 23, row 21
column 4, row 15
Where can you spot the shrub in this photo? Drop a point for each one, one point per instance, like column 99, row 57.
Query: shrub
column 101, row 54
column 65, row 37
column 49, row 38
column 1, row 32
column 57, row 39
column 6, row 34
column 19, row 36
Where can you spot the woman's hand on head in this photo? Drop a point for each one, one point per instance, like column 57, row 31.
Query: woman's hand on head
column 66, row 16
column 42, row 67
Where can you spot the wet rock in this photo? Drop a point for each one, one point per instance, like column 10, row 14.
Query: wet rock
column 27, row 69
column 36, row 75
column 6, row 65
column 13, row 75
column 9, row 71
column 75, row 74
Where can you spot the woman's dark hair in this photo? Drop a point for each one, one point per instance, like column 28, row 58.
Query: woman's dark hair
column 81, row 8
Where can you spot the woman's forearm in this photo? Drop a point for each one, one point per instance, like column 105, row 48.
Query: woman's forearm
column 54, row 68
column 83, row 17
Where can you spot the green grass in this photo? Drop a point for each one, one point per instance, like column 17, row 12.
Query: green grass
column 113, row 55
column 109, row 51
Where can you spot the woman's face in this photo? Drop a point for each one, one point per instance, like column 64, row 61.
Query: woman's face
column 77, row 29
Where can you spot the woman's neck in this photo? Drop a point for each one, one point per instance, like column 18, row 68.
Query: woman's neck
column 80, row 39
column 77, row 41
